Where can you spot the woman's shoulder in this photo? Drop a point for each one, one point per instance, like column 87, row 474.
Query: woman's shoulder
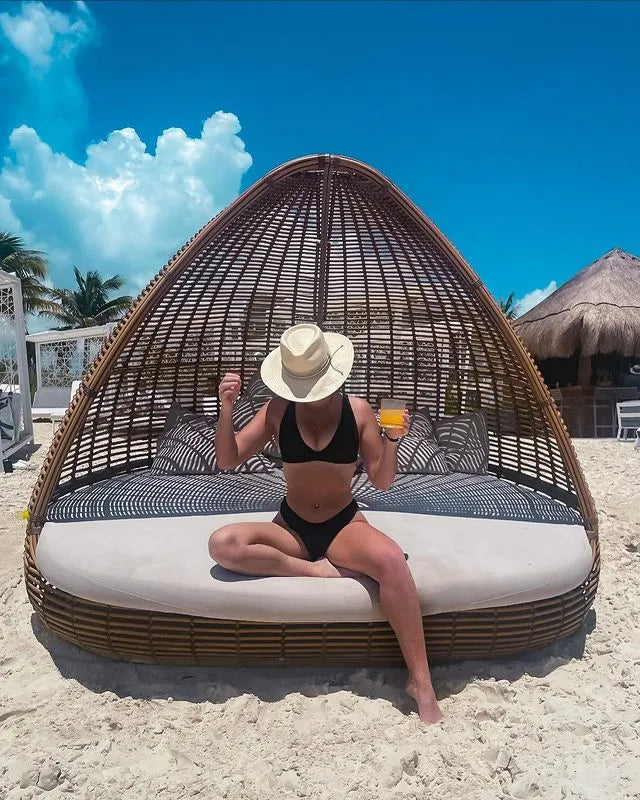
column 358, row 401
column 277, row 402
column 360, row 406
column 275, row 409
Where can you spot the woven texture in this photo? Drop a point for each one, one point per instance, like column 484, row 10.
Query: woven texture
column 329, row 240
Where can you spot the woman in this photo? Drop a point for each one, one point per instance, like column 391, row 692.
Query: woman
column 319, row 530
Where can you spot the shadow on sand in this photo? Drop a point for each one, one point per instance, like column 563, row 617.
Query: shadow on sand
column 198, row 684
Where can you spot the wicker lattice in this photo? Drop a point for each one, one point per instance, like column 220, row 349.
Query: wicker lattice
column 8, row 349
column 326, row 239
column 16, row 425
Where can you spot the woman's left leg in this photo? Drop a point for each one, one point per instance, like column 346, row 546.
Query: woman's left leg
column 361, row 547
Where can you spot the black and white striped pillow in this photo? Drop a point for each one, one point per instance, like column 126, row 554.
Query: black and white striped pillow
column 465, row 442
column 418, row 454
column 421, row 424
column 187, row 447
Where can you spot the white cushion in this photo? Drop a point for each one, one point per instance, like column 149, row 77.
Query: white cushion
column 163, row 564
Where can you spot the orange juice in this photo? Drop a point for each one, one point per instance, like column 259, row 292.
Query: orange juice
column 392, row 417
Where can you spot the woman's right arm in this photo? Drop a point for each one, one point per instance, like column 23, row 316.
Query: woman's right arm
column 233, row 449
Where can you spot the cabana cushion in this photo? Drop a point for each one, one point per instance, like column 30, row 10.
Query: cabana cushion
column 421, row 424
column 187, row 446
column 162, row 564
column 143, row 494
column 419, row 450
column 417, row 454
column 465, row 442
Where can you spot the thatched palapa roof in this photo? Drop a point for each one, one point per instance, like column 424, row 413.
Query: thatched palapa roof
column 597, row 311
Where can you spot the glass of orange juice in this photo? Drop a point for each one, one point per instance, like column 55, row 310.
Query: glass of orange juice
column 391, row 413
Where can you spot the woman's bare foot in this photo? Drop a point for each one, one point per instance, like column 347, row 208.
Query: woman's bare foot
column 428, row 709
column 325, row 569
column 350, row 573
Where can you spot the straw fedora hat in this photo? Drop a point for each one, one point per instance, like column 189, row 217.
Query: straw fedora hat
column 309, row 364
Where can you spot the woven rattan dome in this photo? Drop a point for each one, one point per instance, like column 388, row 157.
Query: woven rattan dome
column 326, row 239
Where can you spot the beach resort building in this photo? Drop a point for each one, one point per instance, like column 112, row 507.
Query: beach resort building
column 585, row 338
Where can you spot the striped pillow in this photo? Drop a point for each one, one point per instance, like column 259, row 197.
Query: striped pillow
column 187, row 447
column 418, row 454
column 465, row 442
column 421, row 424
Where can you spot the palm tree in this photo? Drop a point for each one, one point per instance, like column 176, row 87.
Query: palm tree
column 30, row 266
column 509, row 306
column 89, row 303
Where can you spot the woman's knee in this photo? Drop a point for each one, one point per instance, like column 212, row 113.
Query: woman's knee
column 225, row 544
column 389, row 563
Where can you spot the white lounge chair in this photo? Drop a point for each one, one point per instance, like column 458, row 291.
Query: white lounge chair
column 51, row 402
column 628, row 417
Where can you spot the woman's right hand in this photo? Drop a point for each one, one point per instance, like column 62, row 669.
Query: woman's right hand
column 229, row 389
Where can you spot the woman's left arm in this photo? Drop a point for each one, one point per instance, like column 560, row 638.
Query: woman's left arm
column 379, row 454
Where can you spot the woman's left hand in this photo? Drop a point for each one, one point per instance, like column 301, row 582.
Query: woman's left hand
column 395, row 433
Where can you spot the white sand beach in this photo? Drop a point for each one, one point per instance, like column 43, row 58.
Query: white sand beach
column 560, row 723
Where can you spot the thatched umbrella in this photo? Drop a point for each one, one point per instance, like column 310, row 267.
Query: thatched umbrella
column 597, row 311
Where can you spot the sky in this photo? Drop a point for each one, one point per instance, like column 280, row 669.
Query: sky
column 514, row 126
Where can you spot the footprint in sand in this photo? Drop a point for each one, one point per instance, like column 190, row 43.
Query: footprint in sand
column 16, row 712
column 492, row 692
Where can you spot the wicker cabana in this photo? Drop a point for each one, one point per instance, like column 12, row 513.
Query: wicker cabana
column 330, row 240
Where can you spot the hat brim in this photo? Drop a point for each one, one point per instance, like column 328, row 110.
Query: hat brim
column 307, row 390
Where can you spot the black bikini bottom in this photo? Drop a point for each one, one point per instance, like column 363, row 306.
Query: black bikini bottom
column 317, row 536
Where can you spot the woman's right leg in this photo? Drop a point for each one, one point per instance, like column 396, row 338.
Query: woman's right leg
column 267, row 549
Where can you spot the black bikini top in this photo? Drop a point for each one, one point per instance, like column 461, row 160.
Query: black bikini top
column 342, row 449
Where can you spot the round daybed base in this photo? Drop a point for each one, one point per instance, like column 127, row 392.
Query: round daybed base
column 153, row 637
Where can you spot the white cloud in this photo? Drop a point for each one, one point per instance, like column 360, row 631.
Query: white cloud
column 534, row 297
column 41, row 34
column 45, row 92
column 124, row 210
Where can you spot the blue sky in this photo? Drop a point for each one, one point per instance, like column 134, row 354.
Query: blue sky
column 514, row 126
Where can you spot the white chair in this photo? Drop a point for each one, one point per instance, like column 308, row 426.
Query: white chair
column 628, row 417
column 52, row 402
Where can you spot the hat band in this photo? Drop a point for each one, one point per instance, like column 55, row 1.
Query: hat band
column 304, row 375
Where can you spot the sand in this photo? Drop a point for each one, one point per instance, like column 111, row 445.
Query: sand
column 559, row 723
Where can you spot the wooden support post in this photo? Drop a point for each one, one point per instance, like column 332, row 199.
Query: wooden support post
column 584, row 371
